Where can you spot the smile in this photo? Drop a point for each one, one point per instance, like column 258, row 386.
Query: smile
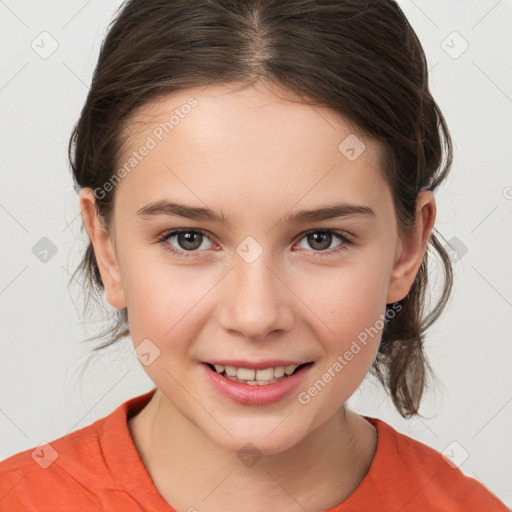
column 256, row 389
column 254, row 377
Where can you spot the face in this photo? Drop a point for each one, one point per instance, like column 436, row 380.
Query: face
column 262, row 283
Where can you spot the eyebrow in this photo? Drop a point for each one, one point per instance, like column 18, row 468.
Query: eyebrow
column 171, row 208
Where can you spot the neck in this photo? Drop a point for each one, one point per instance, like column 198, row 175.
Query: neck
column 190, row 471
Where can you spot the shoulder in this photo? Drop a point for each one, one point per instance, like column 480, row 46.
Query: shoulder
column 67, row 466
column 412, row 476
column 78, row 471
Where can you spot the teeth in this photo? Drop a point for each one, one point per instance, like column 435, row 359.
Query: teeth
column 250, row 376
column 245, row 374
column 279, row 371
column 290, row 369
column 266, row 374
column 230, row 371
column 254, row 382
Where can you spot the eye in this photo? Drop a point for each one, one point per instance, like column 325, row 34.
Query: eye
column 188, row 240
column 321, row 240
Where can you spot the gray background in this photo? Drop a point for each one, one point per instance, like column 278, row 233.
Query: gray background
column 43, row 394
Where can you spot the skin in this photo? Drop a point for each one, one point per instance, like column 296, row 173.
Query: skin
column 256, row 154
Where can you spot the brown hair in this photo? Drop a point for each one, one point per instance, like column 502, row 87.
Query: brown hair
column 360, row 58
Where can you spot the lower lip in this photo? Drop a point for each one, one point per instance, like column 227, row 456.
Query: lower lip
column 248, row 394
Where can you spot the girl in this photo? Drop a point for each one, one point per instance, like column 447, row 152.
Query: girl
column 256, row 178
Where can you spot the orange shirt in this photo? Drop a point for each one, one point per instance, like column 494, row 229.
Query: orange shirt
column 98, row 468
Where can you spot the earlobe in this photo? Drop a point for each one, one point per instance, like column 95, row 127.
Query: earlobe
column 411, row 250
column 103, row 250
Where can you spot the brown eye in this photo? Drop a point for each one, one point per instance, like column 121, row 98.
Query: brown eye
column 188, row 240
column 320, row 240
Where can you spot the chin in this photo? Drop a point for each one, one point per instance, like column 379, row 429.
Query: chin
column 257, row 442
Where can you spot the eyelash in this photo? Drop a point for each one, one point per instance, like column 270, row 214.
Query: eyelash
column 186, row 254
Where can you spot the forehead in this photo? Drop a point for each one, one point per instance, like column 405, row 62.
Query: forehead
column 263, row 111
column 246, row 142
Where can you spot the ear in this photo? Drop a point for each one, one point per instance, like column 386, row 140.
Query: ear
column 103, row 250
column 410, row 251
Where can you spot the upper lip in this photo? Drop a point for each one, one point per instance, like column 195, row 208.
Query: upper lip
column 259, row 365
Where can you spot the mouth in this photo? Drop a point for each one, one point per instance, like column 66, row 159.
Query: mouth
column 261, row 377
column 261, row 386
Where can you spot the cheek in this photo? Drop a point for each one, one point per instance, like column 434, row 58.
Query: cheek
column 163, row 300
column 351, row 304
column 346, row 300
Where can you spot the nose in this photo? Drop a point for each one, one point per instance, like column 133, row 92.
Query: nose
column 256, row 301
